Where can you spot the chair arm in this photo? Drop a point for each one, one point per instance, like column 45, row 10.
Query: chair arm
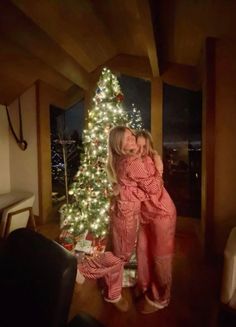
column 84, row 320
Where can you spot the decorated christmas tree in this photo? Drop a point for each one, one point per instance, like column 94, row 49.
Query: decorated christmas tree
column 135, row 118
column 91, row 191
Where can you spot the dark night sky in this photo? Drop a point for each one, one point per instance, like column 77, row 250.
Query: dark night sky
column 138, row 92
column 75, row 118
column 68, row 121
column 181, row 114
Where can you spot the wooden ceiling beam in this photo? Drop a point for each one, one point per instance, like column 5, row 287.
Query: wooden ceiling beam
column 10, row 89
column 146, row 19
column 130, row 65
column 184, row 76
column 122, row 20
column 17, row 62
column 75, row 27
column 38, row 43
column 74, row 95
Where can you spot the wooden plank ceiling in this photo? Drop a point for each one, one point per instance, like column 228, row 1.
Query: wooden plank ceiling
column 183, row 26
column 62, row 42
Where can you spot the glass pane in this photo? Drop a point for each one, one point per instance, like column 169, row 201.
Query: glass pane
column 66, row 145
column 182, row 111
column 137, row 92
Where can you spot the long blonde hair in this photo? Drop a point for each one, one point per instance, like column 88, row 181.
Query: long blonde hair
column 149, row 141
column 115, row 143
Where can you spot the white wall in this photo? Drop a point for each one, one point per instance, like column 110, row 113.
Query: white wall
column 4, row 153
column 24, row 164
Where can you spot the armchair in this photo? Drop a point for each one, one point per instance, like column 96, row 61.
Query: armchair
column 37, row 279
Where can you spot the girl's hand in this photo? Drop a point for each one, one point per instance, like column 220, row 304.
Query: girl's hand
column 156, row 157
column 116, row 190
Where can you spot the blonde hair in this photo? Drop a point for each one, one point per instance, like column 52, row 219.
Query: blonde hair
column 149, row 141
column 115, row 143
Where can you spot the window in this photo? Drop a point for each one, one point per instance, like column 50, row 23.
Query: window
column 66, row 144
column 137, row 91
column 182, row 111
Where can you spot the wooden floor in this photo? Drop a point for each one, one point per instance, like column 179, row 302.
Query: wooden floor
column 195, row 292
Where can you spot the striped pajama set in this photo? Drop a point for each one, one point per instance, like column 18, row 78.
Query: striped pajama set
column 135, row 185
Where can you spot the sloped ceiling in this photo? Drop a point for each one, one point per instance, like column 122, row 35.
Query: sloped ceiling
column 184, row 25
column 62, row 42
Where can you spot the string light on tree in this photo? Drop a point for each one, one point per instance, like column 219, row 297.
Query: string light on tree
column 135, row 118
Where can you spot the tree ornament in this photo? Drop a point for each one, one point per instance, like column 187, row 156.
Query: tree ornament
column 120, row 97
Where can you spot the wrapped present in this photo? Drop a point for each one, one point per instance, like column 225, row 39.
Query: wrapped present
column 84, row 246
column 66, row 239
column 90, row 237
column 66, row 235
column 68, row 246
column 132, row 264
column 81, row 237
column 89, row 244
column 129, row 277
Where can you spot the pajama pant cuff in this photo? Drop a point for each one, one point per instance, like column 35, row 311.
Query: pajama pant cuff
column 156, row 304
column 113, row 301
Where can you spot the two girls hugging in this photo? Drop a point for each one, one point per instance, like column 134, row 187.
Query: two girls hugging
column 142, row 216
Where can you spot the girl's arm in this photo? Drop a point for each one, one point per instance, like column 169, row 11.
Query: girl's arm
column 149, row 184
column 158, row 162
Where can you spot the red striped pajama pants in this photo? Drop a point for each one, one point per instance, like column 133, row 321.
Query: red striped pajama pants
column 110, row 265
column 155, row 248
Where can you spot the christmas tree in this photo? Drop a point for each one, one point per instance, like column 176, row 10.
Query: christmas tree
column 91, row 190
column 135, row 119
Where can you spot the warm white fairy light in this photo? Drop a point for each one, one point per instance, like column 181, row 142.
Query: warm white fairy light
column 102, row 211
